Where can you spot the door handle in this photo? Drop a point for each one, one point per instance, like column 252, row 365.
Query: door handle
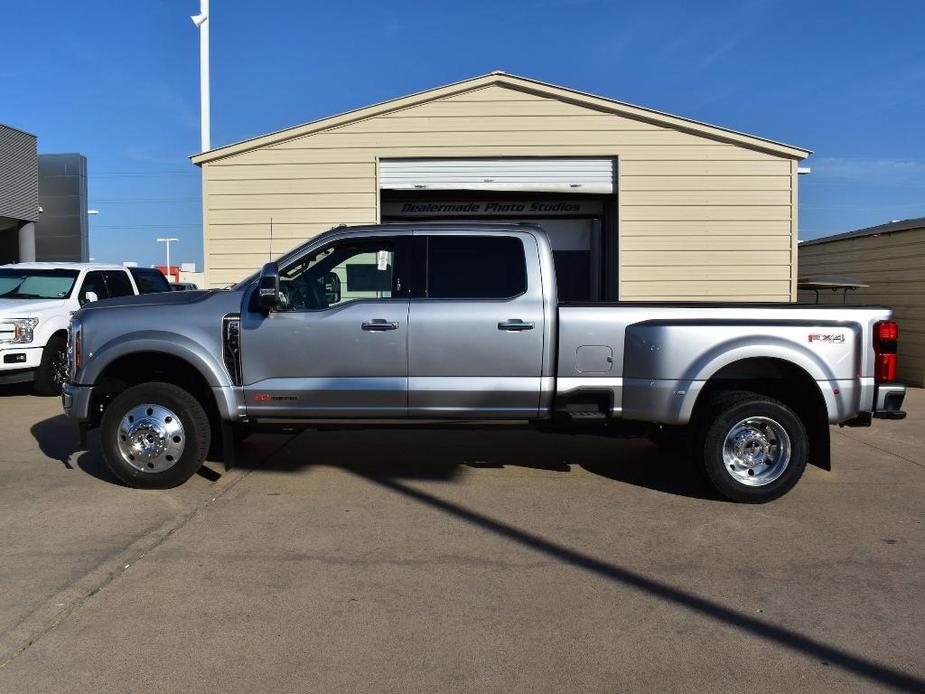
column 515, row 325
column 378, row 325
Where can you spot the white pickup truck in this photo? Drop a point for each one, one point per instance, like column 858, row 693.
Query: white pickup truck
column 36, row 303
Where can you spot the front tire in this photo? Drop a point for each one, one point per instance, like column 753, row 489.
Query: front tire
column 752, row 448
column 52, row 371
column 154, row 436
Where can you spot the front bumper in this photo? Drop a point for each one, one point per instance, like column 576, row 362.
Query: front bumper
column 18, row 363
column 76, row 401
column 10, row 376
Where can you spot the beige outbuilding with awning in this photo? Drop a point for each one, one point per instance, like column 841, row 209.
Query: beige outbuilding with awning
column 640, row 205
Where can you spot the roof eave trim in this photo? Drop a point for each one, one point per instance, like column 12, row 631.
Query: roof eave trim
column 520, row 83
column 917, row 224
column 344, row 118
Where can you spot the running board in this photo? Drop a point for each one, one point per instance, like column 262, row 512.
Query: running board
column 584, row 415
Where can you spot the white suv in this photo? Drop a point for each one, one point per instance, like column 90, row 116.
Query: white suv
column 36, row 302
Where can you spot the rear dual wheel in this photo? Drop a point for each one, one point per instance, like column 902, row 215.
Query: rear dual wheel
column 154, row 436
column 752, row 448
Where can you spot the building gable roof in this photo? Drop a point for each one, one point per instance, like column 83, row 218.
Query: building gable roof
column 888, row 228
column 523, row 84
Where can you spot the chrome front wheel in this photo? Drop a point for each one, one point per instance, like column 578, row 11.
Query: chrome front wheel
column 155, row 435
column 151, row 438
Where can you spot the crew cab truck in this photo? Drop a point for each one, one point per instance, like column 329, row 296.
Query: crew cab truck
column 461, row 322
column 36, row 303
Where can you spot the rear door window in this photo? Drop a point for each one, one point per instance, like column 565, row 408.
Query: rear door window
column 150, row 281
column 118, row 283
column 475, row 267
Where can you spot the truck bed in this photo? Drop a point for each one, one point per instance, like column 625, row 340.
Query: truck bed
column 653, row 358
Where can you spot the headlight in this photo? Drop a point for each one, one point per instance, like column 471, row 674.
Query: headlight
column 17, row 331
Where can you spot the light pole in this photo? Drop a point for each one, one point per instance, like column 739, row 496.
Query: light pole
column 201, row 20
column 168, row 242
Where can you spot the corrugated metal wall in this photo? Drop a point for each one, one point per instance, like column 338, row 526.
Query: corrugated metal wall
column 892, row 264
column 698, row 218
column 19, row 182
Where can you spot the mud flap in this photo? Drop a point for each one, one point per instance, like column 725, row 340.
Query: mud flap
column 228, row 445
column 820, row 445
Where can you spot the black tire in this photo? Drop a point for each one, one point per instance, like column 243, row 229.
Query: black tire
column 52, row 371
column 721, row 417
column 188, row 411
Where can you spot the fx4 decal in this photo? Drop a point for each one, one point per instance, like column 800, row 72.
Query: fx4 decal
column 833, row 339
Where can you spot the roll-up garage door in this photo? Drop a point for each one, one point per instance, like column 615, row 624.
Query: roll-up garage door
column 575, row 175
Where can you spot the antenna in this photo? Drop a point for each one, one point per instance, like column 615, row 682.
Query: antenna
column 271, row 239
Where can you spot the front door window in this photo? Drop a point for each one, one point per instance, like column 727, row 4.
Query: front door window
column 338, row 274
column 93, row 282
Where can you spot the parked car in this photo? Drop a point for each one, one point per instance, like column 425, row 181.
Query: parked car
column 462, row 322
column 183, row 287
column 36, row 303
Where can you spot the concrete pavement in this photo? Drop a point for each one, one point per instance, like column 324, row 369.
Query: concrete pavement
column 395, row 560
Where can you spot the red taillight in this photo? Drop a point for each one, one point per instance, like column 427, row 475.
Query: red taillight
column 887, row 330
column 885, row 368
column 886, row 333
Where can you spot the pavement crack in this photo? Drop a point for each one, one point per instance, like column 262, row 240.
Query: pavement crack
column 882, row 450
column 45, row 618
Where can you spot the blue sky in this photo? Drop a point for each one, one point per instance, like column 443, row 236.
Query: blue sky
column 118, row 81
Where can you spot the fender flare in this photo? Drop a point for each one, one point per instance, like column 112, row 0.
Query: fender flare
column 733, row 351
column 174, row 344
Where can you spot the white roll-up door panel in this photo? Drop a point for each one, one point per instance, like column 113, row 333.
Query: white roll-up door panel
column 578, row 175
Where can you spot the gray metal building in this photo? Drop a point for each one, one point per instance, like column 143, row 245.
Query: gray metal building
column 19, row 192
column 43, row 202
column 61, row 233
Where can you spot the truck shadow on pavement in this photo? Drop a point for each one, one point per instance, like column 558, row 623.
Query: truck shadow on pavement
column 57, row 438
column 420, row 453
column 442, row 454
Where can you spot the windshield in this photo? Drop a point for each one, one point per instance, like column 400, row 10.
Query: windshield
column 282, row 261
column 36, row 284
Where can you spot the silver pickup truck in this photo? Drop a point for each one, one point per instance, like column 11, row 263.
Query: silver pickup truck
column 457, row 322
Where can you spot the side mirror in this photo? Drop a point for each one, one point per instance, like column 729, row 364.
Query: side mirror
column 90, row 297
column 331, row 283
column 268, row 287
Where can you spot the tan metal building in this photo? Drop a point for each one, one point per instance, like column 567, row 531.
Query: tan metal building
column 639, row 205
column 891, row 259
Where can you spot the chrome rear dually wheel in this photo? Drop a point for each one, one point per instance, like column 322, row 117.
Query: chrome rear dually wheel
column 756, row 451
column 752, row 448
